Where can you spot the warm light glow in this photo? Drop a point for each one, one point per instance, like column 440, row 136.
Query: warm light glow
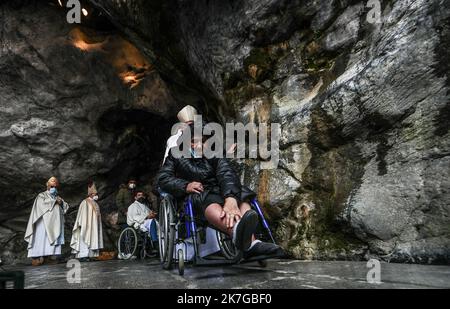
column 85, row 46
column 85, row 12
column 130, row 78
column 130, row 65
column 79, row 40
column 60, row 3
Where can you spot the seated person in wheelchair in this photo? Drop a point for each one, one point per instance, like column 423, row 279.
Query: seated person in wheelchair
column 217, row 196
column 141, row 217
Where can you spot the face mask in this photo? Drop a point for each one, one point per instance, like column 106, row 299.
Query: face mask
column 132, row 186
column 195, row 154
column 53, row 191
column 141, row 200
column 95, row 197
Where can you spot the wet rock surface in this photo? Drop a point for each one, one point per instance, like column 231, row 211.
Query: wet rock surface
column 279, row 274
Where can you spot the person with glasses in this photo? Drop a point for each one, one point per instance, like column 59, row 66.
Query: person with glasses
column 218, row 197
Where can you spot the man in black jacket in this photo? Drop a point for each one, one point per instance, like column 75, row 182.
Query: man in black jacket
column 217, row 195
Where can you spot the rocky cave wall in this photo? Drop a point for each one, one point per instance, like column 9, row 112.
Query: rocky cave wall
column 364, row 109
column 76, row 101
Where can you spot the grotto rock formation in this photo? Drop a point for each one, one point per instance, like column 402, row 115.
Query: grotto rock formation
column 66, row 109
column 364, row 108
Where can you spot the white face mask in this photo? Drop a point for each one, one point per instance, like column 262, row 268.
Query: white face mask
column 95, row 197
column 132, row 186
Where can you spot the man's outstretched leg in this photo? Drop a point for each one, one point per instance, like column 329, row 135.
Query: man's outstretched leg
column 257, row 247
column 242, row 231
column 153, row 231
column 243, row 235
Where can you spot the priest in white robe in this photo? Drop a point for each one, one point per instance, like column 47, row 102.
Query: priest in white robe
column 186, row 116
column 45, row 229
column 87, row 234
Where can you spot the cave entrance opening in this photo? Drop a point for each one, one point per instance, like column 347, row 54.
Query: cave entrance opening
column 139, row 140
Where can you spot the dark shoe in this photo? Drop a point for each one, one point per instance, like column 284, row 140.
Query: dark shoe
column 50, row 261
column 37, row 261
column 85, row 259
column 264, row 249
column 246, row 227
column 155, row 245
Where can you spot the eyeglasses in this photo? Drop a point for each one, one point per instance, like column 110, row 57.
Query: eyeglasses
column 52, row 186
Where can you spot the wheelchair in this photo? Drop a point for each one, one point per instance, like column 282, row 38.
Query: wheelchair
column 178, row 225
column 135, row 243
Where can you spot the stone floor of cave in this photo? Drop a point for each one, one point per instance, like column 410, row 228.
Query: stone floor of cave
column 278, row 274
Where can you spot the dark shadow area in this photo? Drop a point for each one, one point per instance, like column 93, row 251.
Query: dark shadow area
column 140, row 140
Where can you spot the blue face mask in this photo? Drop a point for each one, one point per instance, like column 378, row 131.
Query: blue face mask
column 53, row 191
column 194, row 154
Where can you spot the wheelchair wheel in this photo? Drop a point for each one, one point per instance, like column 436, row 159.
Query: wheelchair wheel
column 226, row 246
column 166, row 233
column 127, row 244
column 180, row 262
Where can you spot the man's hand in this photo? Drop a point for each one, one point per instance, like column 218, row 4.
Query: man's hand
column 230, row 212
column 194, row 187
column 232, row 149
column 59, row 201
column 151, row 215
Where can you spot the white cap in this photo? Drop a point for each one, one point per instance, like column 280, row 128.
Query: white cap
column 187, row 114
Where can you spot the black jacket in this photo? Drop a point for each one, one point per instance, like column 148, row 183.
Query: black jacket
column 216, row 175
